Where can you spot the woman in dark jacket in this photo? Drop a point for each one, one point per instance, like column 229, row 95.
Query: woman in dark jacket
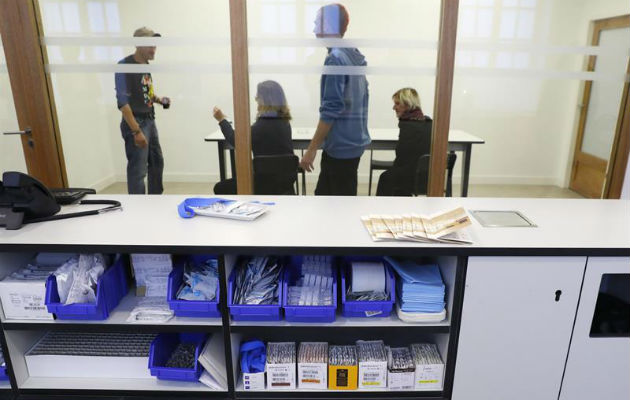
column 414, row 140
column 271, row 133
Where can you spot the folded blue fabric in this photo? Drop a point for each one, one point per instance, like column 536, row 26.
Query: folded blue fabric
column 253, row 356
column 420, row 287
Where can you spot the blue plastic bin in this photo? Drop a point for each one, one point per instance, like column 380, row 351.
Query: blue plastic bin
column 264, row 312
column 3, row 374
column 367, row 309
column 109, row 292
column 164, row 345
column 306, row 313
column 190, row 308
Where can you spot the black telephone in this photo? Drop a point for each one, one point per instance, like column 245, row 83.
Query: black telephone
column 25, row 200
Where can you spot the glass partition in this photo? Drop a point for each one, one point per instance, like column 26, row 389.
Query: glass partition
column 384, row 47
column 85, row 40
column 520, row 74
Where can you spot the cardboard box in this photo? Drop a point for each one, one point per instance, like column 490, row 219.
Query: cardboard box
column 280, row 376
column 400, row 380
column 24, row 299
column 372, row 374
column 429, row 377
column 312, row 375
column 255, row 381
column 343, row 377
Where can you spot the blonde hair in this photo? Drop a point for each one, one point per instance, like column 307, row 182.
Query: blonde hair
column 409, row 97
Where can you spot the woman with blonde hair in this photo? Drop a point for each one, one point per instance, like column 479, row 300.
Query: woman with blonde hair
column 271, row 132
column 414, row 140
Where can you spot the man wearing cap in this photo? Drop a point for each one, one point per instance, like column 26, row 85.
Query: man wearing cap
column 342, row 129
column 135, row 97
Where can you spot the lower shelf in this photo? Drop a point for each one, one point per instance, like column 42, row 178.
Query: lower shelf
column 308, row 393
column 114, row 384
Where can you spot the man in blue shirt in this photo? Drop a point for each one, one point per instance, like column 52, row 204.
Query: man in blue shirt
column 342, row 129
column 135, row 98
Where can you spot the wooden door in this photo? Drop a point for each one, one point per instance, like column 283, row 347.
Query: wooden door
column 600, row 125
column 30, row 84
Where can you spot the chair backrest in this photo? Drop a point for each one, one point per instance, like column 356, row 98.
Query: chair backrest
column 275, row 174
column 421, row 178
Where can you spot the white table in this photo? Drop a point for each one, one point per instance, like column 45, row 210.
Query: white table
column 382, row 139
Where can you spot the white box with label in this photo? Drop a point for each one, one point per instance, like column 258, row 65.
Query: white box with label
column 400, row 380
column 312, row 375
column 372, row 374
column 254, row 381
column 429, row 376
column 280, row 376
column 24, row 299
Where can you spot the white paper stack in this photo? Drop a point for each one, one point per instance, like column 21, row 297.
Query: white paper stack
column 212, row 358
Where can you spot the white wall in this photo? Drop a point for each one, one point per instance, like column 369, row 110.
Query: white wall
column 528, row 123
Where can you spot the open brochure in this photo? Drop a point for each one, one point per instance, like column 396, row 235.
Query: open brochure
column 443, row 227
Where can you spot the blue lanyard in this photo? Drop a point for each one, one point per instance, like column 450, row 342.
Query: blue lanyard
column 186, row 210
column 253, row 356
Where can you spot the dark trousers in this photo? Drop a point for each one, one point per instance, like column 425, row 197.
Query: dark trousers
column 337, row 177
column 391, row 183
column 147, row 162
column 227, row 186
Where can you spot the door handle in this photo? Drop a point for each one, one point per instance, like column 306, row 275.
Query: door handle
column 558, row 294
column 28, row 132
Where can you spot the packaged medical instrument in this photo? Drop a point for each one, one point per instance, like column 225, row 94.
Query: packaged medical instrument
column 193, row 288
column 173, row 356
column 255, row 289
column 372, row 359
column 342, row 367
column 368, row 287
column 151, row 273
column 313, row 365
column 400, row 369
column 222, row 208
column 310, row 289
column 281, row 364
column 429, row 366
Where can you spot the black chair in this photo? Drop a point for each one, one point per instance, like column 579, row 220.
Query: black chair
column 275, row 174
column 377, row 164
column 421, row 179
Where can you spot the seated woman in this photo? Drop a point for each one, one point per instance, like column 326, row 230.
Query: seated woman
column 271, row 133
column 414, row 140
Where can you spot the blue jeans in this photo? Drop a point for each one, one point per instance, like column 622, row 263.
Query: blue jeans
column 141, row 162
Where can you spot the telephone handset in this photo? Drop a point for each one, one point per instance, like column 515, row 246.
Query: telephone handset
column 25, row 200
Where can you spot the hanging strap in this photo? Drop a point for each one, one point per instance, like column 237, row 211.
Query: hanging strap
column 113, row 205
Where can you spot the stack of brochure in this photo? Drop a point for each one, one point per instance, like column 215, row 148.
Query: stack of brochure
column 444, row 227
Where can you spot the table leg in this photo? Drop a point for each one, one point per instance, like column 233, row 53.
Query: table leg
column 466, row 169
column 221, row 148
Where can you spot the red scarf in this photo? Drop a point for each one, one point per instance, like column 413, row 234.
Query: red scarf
column 413, row 115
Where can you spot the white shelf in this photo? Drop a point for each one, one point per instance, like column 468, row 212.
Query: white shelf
column 113, row 384
column 239, row 388
column 5, row 385
column 119, row 317
column 343, row 322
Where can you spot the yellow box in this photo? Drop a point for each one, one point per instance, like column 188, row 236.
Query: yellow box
column 343, row 377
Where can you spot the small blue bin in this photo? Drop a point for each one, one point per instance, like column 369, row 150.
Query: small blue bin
column 243, row 312
column 306, row 313
column 164, row 345
column 367, row 309
column 190, row 308
column 3, row 374
column 109, row 292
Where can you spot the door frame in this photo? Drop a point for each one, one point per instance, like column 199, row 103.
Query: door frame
column 613, row 171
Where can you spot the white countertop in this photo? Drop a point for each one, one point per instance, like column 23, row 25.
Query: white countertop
column 332, row 222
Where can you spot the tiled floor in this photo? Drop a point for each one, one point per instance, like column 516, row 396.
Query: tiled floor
column 527, row 191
